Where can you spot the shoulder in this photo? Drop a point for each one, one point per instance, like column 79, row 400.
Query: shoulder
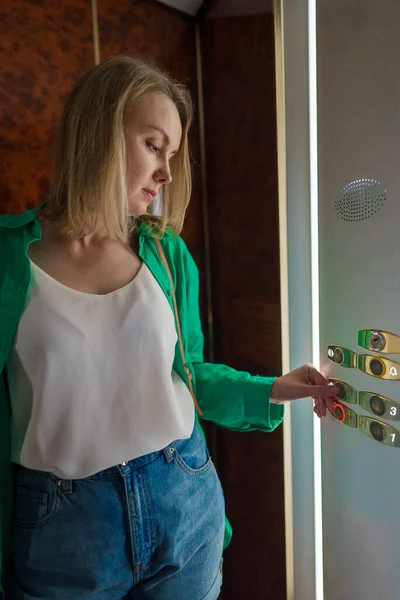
column 10, row 228
column 16, row 232
column 180, row 261
column 12, row 245
column 173, row 245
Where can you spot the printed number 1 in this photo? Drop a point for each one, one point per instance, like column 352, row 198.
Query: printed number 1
column 393, row 437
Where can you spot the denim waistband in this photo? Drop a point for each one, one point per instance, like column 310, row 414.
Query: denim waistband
column 122, row 469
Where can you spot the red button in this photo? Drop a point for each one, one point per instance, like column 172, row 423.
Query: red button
column 339, row 412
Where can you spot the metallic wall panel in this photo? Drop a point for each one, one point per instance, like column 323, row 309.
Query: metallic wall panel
column 359, row 128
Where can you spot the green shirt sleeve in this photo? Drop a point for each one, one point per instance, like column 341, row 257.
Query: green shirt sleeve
column 230, row 398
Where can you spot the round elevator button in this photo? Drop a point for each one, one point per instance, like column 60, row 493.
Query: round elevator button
column 338, row 356
column 339, row 413
column 377, row 405
column 377, row 431
column 377, row 367
column 342, row 392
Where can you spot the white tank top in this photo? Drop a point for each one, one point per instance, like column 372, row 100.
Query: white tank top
column 91, row 379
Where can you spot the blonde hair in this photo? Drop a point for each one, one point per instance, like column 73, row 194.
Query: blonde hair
column 90, row 170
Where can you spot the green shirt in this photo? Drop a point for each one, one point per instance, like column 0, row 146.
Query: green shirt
column 232, row 399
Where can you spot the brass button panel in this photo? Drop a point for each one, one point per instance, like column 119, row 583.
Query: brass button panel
column 380, row 367
column 379, row 405
column 347, row 392
column 379, row 341
column 343, row 414
column 342, row 356
column 374, row 403
column 379, row 431
column 376, row 365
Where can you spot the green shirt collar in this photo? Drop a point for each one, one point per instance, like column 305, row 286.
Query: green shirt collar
column 14, row 221
column 11, row 221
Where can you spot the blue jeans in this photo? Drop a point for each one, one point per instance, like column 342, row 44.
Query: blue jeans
column 151, row 529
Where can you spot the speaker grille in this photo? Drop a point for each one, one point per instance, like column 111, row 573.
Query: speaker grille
column 360, row 199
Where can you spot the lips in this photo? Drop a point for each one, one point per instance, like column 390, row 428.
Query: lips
column 151, row 193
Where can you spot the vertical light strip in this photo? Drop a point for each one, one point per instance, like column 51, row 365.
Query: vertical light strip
column 284, row 290
column 95, row 27
column 313, row 118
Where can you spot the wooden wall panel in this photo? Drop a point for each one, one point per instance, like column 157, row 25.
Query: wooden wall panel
column 240, row 117
column 45, row 46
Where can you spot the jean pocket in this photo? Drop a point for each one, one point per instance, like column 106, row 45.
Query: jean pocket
column 34, row 508
column 192, row 455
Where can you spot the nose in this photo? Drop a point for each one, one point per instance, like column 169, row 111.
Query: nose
column 163, row 175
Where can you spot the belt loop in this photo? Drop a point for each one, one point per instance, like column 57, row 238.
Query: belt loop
column 169, row 453
column 65, row 486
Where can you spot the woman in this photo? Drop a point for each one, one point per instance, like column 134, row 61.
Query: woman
column 115, row 495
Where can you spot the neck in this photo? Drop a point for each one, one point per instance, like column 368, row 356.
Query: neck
column 97, row 235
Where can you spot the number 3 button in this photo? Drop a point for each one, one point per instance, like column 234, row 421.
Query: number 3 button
column 379, row 405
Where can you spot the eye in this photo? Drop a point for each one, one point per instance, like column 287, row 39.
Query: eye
column 152, row 147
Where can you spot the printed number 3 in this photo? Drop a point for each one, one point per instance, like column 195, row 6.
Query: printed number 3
column 393, row 411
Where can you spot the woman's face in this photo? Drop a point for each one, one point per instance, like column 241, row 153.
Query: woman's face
column 152, row 134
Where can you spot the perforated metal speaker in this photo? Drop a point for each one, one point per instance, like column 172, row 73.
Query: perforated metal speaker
column 360, row 199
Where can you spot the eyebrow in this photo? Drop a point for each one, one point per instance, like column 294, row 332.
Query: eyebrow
column 168, row 141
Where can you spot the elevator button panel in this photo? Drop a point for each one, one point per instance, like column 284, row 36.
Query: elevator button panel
column 380, row 367
column 373, row 428
column 342, row 356
column 379, row 431
column 379, row 405
column 343, row 414
column 347, row 392
column 379, row 341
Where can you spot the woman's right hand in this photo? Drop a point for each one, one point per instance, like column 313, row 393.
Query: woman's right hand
column 305, row 382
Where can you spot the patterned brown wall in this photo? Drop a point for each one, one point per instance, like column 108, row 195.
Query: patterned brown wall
column 240, row 118
column 45, row 46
